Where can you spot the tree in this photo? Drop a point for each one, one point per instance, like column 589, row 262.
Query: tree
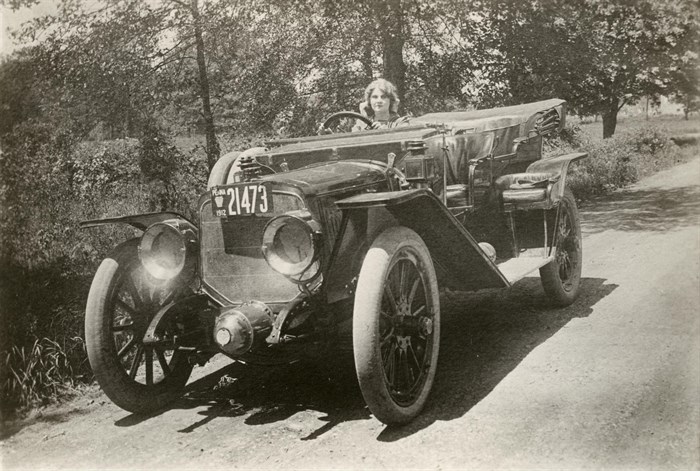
column 213, row 150
column 18, row 98
column 685, row 73
column 114, row 55
column 685, row 83
column 599, row 55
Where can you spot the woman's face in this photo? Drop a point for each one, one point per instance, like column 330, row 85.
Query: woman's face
column 379, row 101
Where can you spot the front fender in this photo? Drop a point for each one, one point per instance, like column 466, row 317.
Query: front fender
column 139, row 221
column 460, row 262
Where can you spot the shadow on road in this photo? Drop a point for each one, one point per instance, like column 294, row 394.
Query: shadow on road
column 656, row 209
column 268, row 394
column 485, row 336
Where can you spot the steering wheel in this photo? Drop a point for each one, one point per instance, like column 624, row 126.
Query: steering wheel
column 325, row 128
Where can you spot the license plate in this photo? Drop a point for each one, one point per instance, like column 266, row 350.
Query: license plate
column 242, row 199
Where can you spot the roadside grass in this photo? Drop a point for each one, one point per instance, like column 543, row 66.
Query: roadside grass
column 671, row 124
column 639, row 148
column 42, row 294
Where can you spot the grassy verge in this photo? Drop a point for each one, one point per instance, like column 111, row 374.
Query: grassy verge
column 639, row 148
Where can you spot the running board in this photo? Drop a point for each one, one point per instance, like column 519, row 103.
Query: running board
column 518, row 268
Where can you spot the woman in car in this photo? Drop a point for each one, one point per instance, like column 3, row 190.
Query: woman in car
column 381, row 105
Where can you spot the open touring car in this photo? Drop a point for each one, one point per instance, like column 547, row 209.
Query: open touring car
column 343, row 235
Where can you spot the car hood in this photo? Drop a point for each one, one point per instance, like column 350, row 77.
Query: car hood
column 330, row 177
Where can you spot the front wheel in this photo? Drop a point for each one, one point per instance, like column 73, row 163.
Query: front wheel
column 561, row 278
column 122, row 301
column 396, row 326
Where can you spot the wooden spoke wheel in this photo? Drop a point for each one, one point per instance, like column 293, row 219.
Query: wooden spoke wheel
column 122, row 302
column 396, row 325
column 561, row 278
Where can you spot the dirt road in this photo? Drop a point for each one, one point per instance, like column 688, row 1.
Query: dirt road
column 610, row 382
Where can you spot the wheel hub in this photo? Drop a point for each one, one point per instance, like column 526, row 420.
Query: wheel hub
column 426, row 326
column 411, row 325
column 403, row 342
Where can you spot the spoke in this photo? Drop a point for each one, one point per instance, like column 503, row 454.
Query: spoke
column 134, row 292
column 567, row 268
column 386, row 340
column 418, row 311
column 149, row 366
column 125, row 349
column 403, row 277
column 163, row 362
column 123, row 327
column 392, row 299
column 406, row 369
column 564, row 226
column 136, row 362
column 391, row 367
column 414, row 288
column 395, row 373
column 386, row 352
column 129, row 310
column 169, row 297
column 415, row 358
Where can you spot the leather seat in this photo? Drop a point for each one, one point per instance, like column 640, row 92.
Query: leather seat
column 525, row 187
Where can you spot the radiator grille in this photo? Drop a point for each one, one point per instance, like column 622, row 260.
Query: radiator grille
column 231, row 256
column 329, row 216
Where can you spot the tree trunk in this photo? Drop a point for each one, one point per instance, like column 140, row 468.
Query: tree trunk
column 610, row 119
column 646, row 110
column 213, row 150
column 391, row 26
column 367, row 62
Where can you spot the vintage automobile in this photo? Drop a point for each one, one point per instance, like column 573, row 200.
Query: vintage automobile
column 309, row 241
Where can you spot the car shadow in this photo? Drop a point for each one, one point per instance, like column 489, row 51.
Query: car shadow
column 265, row 394
column 485, row 336
column 656, row 209
column 269, row 394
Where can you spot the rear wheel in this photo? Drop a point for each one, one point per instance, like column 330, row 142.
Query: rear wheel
column 122, row 302
column 561, row 278
column 396, row 326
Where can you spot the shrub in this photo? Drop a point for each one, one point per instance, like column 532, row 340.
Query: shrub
column 35, row 373
column 50, row 184
column 41, row 330
column 649, row 140
column 614, row 162
column 608, row 166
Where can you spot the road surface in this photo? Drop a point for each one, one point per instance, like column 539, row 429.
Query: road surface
column 612, row 381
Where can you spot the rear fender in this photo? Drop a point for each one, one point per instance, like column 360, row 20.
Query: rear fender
column 558, row 166
column 139, row 221
column 459, row 261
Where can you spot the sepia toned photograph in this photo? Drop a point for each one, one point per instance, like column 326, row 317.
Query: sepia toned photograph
column 350, row 234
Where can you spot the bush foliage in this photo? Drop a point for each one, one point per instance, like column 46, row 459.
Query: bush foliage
column 617, row 161
column 49, row 186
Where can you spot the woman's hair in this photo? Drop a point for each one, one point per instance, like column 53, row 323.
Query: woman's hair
column 389, row 89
